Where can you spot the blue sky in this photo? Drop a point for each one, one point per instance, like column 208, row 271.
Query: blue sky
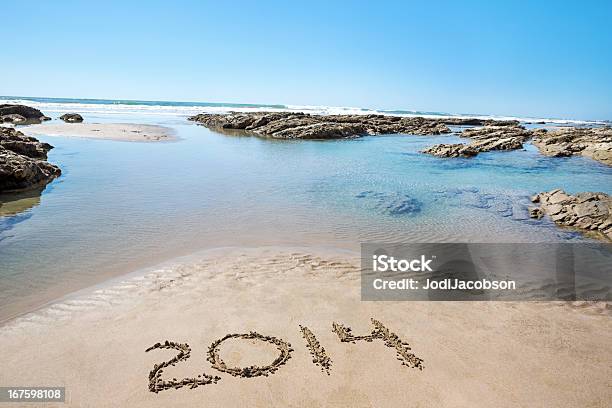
column 543, row 58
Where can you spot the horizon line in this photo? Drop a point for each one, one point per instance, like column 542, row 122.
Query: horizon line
column 287, row 106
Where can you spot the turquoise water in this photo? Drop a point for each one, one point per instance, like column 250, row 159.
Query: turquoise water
column 121, row 206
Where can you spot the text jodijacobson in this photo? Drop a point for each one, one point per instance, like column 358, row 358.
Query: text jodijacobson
column 384, row 263
column 443, row 284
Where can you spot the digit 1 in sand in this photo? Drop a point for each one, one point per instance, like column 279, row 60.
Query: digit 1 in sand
column 319, row 356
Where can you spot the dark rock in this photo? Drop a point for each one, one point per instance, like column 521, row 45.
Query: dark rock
column 12, row 139
column 583, row 211
column 492, row 135
column 13, row 118
column 289, row 125
column 19, row 172
column 479, row 122
column 23, row 162
column 32, row 115
column 71, row 118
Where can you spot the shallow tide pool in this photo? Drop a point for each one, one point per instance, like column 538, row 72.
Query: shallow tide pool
column 121, row 206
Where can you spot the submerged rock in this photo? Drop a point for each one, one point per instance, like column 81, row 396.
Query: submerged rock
column 71, row 118
column 595, row 143
column 514, row 207
column 588, row 212
column 289, row 125
column 23, row 162
column 392, row 203
column 31, row 115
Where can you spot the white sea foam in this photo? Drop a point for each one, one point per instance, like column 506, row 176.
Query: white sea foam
column 185, row 109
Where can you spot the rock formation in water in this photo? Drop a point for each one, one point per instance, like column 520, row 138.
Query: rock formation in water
column 595, row 143
column 288, row 125
column 29, row 114
column 13, row 118
column 395, row 204
column 488, row 136
column 23, row 162
column 588, row 212
column 485, row 139
column 71, row 118
column 478, row 122
column 451, row 150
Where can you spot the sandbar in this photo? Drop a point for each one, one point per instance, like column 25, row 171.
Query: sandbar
column 127, row 132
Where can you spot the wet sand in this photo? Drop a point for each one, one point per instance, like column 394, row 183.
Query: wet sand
column 236, row 308
column 127, row 132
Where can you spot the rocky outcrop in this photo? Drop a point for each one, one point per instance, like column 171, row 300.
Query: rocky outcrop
column 595, row 143
column 497, row 144
column 17, row 142
column 31, row 115
column 451, row 150
column 13, row 118
column 498, row 133
column 490, row 138
column 288, row 125
column 485, row 139
column 479, row 122
column 71, row 118
column 490, row 134
column 588, row 212
column 23, row 162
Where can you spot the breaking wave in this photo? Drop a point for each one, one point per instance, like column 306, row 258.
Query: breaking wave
column 172, row 108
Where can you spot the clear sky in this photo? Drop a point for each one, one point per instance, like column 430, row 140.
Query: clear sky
column 542, row 58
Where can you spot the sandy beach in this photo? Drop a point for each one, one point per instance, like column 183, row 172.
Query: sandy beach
column 126, row 132
column 294, row 204
column 474, row 354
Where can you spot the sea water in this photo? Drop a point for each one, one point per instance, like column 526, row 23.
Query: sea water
column 120, row 206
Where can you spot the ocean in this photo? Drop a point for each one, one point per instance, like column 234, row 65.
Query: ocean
column 118, row 106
